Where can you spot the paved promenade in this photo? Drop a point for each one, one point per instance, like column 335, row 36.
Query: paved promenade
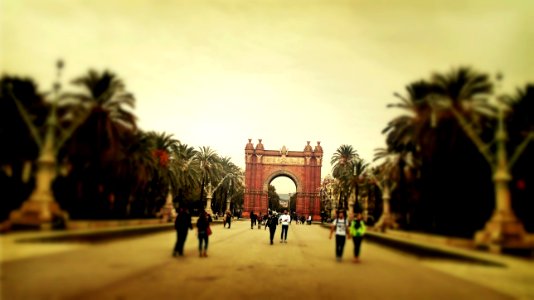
column 242, row 265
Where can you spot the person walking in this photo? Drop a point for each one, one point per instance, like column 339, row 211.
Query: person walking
column 285, row 219
column 228, row 219
column 182, row 223
column 204, row 231
column 357, row 230
column 271, row 222
column 252, row 220
column 339, row 226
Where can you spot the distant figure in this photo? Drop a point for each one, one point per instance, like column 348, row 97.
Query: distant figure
column 204, row 230
column 302, row 219
column 285, row 219
column 252, row 220
column 271, row 222
column 228, row 219
column 182, row 224
column 309, row 220
column 357, row 230
column 339, row 225
column 260, row 220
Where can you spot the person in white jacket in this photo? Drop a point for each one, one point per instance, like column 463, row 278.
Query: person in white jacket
column 285, row 219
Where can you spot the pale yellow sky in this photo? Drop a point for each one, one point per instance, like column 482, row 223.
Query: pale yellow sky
column 215, row 73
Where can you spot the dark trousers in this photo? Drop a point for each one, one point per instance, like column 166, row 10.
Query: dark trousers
column 203, row 237
column 181, row 236
column 272, row 230
column 252, row 223
column 357, row 244
column 283, row 235
column 340, row 245
column 229, row 222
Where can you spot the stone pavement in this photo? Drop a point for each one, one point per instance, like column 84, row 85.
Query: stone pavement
column 242, row 264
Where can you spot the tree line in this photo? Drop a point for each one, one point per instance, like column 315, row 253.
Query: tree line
column 108, row 168
column 435, row 167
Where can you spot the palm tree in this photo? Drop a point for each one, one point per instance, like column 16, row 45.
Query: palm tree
column 359, row 167
column 162, row 147
column 431, row 150
column 412, row 131
column 136, row 168
column 186, row 170
column 233, row 179
column 209, row 166
column 95, row 148
column 343, row 170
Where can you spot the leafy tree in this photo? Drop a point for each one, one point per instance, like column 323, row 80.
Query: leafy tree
column 274, row 199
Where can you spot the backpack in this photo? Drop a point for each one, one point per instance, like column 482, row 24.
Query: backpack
column 357, row 228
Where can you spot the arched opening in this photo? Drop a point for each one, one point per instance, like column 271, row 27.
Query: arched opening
column 285, row 188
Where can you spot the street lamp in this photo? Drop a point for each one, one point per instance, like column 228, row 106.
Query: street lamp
column 503, row 230
column 228, row 199
column 40, row 209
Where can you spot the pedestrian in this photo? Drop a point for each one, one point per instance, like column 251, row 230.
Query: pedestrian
column 260, row 220
column 271, row 222
column 285, row 219
column 339, row 226
column 309, row 219
column 204, row 231
column 228, row 219
column 182, row 223
column 252, row 220
column 357, row 230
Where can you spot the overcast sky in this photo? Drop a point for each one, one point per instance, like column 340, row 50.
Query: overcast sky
column 215, row 73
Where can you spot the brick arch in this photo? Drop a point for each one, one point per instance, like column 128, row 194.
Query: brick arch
column 303, row 167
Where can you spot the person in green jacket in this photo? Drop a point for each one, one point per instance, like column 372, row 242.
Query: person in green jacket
column 357, row 230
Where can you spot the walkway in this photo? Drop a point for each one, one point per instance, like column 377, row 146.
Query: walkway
column 241, row 265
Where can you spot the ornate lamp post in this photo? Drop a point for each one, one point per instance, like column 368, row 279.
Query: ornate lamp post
column 503, row 230
column 228, row 199
column 210, row 191
column 39, row 210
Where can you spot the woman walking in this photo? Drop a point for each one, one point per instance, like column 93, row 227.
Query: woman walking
column 357, row 230
column 340, row 227
column 204, row 230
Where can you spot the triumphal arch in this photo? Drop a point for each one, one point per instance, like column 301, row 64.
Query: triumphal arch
column 302, row 167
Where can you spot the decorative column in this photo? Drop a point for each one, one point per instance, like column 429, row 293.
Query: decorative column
column 503, row 230
column 40, row 209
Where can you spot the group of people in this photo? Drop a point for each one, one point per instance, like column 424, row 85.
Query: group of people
column 183, row 223
column 341, row 226
column 273, row 220
column 345, row 229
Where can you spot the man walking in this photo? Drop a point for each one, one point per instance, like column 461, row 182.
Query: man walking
column 181, row 224
column 252, row 220
column 271, row 222
column 228, row 219
column 285, row 219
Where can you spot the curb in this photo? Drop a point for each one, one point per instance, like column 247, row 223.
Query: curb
column 428, row 250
